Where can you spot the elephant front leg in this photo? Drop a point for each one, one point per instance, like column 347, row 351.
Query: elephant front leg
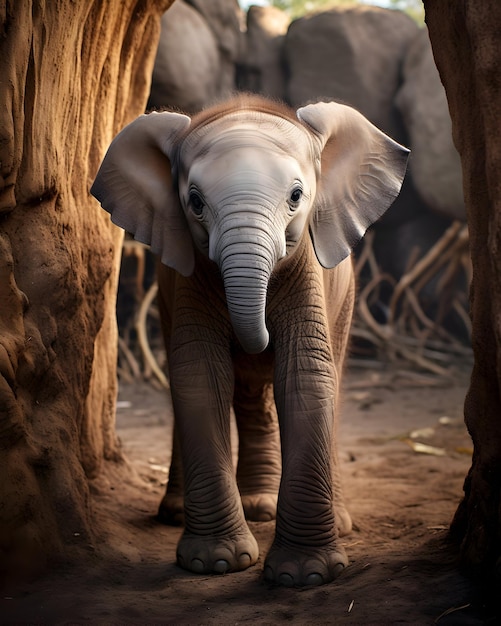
column 216, row 538
column 306, row 549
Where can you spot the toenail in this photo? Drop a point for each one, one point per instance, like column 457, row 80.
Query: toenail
column 244, row 561
column 197, row 566
column 221, row 566
column 314, row 579
column 338, row 569
column 286, row 580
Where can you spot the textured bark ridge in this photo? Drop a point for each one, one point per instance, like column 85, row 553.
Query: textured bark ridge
column 72, row 75
column 466, row 41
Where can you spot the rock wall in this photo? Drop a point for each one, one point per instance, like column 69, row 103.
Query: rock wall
column 72, row 74
column 466, row 41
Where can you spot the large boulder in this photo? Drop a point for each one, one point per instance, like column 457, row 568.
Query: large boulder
column 197, row 53
column 224, row 17
column 261, row 67
column 353, row 55
column 435, row 163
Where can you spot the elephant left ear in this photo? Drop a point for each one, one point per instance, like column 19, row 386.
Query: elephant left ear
column 362, row 171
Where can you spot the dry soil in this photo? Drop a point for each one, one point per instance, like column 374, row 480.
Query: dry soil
column 405, row 453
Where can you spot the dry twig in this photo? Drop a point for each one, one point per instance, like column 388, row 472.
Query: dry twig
column 142, row 335
column 409, row 333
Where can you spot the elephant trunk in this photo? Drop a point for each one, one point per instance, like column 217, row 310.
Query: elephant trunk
column 246, row 299
column 246, row 267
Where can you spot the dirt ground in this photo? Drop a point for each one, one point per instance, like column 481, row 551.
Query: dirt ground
column 405, row 453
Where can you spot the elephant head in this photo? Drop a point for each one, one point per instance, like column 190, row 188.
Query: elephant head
column 243, row 182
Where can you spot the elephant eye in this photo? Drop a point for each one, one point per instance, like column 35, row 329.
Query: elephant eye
column 295, row 196
column 197, row 203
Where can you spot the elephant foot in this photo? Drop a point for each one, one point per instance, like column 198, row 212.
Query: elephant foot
column 217, row 555
column 171, row 510
column 260, row 507
column 300, row 566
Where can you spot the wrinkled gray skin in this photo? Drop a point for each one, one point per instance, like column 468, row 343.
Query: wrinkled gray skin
column 253, row 211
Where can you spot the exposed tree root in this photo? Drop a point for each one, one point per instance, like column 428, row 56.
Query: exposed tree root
column 409, row 335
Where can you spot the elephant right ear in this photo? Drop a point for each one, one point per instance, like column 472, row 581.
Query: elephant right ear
column 134, row 184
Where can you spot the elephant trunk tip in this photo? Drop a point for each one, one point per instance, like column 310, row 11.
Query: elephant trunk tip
column 255, row 344
column 245, row 278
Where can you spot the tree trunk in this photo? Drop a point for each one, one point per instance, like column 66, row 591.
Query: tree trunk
column 72, row 74
column 466, row 41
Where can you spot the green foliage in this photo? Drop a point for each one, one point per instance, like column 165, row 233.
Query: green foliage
column 413, row 8
column 296, row 8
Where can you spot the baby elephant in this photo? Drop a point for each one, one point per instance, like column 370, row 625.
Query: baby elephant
column 253, row 210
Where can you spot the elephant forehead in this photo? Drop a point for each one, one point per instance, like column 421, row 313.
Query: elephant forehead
column 246, row 129
column 244, row 167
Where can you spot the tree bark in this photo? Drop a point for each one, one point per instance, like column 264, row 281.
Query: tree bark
column 72, row 74
column 466, row 41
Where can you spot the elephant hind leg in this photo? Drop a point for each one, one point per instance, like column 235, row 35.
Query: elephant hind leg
column 259, row 463
column 171, row 508
column 261, row 507
column 339, row 328
column 258, row 469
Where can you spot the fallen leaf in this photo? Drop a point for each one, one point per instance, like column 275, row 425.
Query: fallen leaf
column 423, row 448
column 445, row 420
column 463, row 450
column 159, row 468
column 424, row 433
